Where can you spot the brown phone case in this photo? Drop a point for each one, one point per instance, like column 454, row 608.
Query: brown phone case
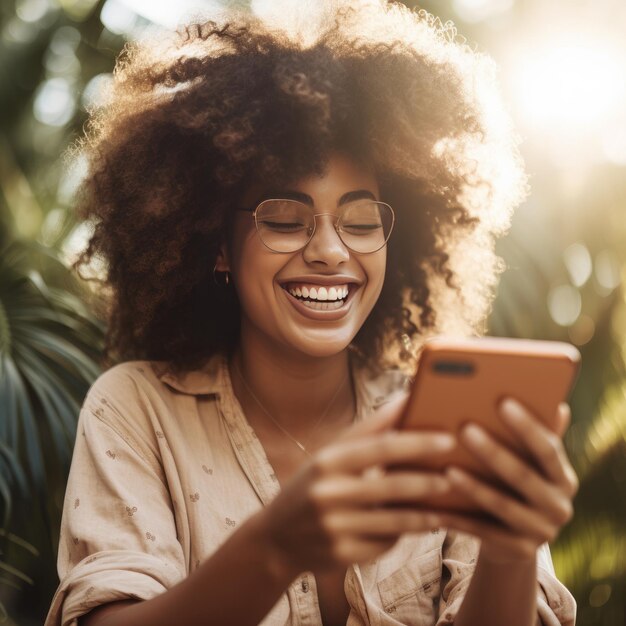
column 461, row 380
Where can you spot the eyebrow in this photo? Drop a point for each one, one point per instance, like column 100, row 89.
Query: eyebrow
column 288, row 194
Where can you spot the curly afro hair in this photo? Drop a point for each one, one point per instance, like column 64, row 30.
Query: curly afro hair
column 194, row 117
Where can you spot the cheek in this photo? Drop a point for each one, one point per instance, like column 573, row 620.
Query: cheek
column 256, row 268
column 375, row 268
column 247, row 254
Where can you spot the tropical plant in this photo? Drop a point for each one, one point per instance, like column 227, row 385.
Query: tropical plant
column 590, row 553
column 49, row 349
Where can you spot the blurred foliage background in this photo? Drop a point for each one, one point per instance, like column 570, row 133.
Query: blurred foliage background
column 562, row 66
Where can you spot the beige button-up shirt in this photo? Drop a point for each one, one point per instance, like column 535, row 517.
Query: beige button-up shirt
column 165, row 469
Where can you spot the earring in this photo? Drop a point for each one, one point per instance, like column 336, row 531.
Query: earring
column 407, row 346
column 226, row 279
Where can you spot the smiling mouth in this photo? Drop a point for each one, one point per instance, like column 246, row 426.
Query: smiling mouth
column 315, row 304
column 331, row 295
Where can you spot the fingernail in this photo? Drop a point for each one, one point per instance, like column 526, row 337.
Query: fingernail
column 474, row 433
column 511, row 409
column 454, row 474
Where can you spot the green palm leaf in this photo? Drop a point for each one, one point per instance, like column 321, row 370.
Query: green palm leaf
column 24, row 421
column 49, row 343
column 9, row 466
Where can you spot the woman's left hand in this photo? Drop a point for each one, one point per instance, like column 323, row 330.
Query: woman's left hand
column 544, row 502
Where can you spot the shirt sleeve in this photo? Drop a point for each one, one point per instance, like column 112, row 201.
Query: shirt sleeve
column 118, row 535
column 555, row 604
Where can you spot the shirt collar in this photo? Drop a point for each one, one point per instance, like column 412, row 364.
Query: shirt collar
column 372, row 389
column 207, row 379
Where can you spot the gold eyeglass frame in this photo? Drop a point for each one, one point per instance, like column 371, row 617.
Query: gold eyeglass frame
column 315, row 215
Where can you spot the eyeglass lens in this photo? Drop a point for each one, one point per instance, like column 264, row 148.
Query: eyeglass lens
column 287, row 225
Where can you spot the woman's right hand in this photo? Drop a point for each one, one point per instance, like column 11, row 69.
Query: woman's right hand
column 333, row 513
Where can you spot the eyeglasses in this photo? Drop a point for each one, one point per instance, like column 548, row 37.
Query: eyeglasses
column 285, row 225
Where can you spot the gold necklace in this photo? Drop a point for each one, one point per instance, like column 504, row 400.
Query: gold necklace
column 280, row 426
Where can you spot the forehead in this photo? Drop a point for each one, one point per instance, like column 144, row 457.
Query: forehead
column 336, row 184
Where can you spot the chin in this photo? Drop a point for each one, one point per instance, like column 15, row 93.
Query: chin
column 321, row 348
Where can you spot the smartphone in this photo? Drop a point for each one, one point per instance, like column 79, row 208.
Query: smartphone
column 461, row 380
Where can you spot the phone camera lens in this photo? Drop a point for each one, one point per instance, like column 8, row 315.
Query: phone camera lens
column 453, row 368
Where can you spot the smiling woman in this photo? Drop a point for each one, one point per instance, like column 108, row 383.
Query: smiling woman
column 309, row 245
column 281, row 212
column 227, row 107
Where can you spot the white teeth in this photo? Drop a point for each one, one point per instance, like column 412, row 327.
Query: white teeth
column 322, row 294
column 322, row 306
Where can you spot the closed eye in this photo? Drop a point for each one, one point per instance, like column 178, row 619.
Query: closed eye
column 362, row 227
column 289, row 226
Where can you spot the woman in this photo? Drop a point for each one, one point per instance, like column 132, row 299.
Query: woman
column 281, row 213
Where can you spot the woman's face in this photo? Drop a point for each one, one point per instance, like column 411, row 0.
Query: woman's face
column 262, row 277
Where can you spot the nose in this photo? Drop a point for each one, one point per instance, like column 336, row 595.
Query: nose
column 326, row 246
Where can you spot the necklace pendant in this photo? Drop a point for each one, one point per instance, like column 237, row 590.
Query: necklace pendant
column 276, row 423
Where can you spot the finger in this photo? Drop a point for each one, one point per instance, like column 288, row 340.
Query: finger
column 518, row 474
column 351, row 549
column 488, row 531
column 544, row 445
column 563, row 418
column 512, row 513
column 386, row 448
column 380, row 522
column 398, row 486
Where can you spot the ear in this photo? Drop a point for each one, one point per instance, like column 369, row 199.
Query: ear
column 223, row 262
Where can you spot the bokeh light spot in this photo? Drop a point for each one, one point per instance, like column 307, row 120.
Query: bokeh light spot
column 479, row 10
column 65, row 41
column 578, row 262
column 17, row 31
column 582, row 330
column 75, row 244
column 564, row 304
column 72, row 177
column 170, row 14
column 61, row 65
column 599, row 595
column 607, row 270
column 118, row 18
column 95, row 91
column 76, row 241
column 31, row 10
column 55, row 102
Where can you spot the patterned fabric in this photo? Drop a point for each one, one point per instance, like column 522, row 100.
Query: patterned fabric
column 165, row 469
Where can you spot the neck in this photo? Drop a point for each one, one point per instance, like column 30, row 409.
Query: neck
column 295, row 389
